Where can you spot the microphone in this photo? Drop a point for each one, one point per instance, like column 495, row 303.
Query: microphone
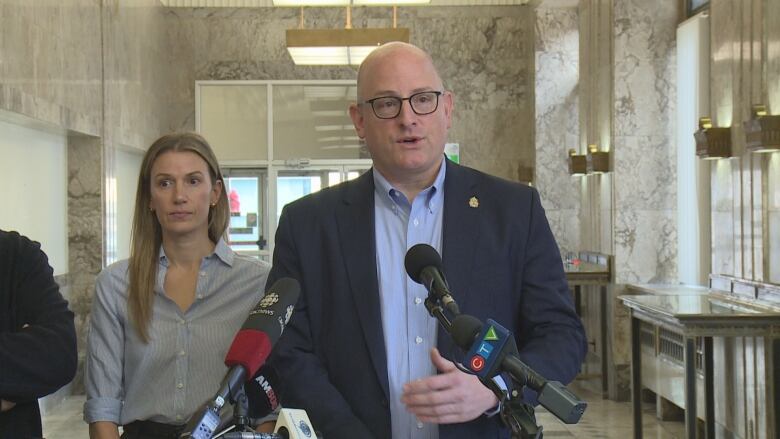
column 263, row 326
column 423, row 265
column 260, row 392
column 249, row 350
column 491, row 349
column 292, row 424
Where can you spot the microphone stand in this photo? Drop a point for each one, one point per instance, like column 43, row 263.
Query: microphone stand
column 515, row 414
column 241, row 410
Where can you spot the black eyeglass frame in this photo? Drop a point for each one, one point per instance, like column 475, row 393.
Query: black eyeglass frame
column 436, row 93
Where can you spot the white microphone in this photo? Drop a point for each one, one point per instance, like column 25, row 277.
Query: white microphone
column 292, row 424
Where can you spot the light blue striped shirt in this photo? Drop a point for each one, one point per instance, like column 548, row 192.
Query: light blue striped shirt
column 409, row 331
column 181, row 367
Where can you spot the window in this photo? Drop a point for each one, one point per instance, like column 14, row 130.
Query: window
column 277, row 141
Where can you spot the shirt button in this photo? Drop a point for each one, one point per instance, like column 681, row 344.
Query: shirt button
column 178, row 417
column 418, row 340
column 417, row 300
column 181, row 321
column 416, row 222
column 202, row 273
column 182, row 353
column 419, row 424
column 180, row 386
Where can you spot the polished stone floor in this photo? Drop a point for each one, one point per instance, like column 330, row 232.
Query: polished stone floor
column 602, row 419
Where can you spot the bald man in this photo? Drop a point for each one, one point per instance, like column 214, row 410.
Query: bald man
column 361, row 354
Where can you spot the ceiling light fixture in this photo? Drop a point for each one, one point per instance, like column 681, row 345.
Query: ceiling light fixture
column 348, row 46
column 296, row 3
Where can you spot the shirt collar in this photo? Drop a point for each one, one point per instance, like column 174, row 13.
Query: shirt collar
column 221, row 251
column 434, row 193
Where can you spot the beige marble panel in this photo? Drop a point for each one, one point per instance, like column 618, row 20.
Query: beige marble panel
column 557, row 121
column 85, row 232
column 645, row 201
column 485, row 56
column 772, row 47
column 773, row 219
column 50, row 50
column 138, row 72
column 596, row 116
column 723, row 217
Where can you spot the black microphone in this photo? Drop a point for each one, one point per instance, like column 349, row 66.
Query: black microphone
column 492, row 349
column 260, row 392
column 249, row 350
column 423, row 265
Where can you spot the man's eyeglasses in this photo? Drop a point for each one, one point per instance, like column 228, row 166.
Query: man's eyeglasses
column 389, row 107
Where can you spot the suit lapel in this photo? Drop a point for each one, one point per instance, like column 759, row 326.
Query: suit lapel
column 355, row 218
column 460, row 232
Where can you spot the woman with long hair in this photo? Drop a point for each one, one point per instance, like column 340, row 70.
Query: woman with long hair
column 163, row 319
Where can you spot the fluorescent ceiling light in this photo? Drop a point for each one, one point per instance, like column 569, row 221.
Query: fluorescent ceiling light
column 297, row 3
column 338, row 46
column 334, row 128
column 312, row 92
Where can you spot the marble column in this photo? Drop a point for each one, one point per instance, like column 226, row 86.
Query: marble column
column 557, row 121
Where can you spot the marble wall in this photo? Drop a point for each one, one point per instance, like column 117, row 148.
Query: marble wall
column 50, row 66
column 745, row 70
column 557, row 120
column 484, row 55
column 645, row 153
column 627, row 99
column 100, row 71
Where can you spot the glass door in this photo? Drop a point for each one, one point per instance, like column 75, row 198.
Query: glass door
column 248, row 229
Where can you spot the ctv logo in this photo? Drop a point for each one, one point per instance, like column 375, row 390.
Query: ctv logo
column 486, row 350
column 483, row 351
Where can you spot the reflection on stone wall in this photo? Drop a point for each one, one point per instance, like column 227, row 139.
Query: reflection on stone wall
column 85, row 234
column 645, row 175
column 484, row 55
column 557, row 121
column 101, row 71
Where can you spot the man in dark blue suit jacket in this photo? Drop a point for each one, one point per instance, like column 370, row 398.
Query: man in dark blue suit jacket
column 499, row 256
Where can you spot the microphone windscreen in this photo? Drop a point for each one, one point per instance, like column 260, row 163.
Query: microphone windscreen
column 464, row 330
column 250, row 348
column 418, row 258
column 261, row 393
column 263, row 326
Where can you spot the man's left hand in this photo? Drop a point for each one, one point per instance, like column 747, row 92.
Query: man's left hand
column 450, row 397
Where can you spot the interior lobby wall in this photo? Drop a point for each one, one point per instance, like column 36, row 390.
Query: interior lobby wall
column 98, row 71
column 557, row 121
column 484, row 55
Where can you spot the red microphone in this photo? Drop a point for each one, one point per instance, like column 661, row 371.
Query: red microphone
column 263, row 327
column 249, row 350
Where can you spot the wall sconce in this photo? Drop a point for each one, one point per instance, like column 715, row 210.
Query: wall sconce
column 762, row 131
column 598, row 161
column 525, row 174
column 712, row 143
column 578, row 163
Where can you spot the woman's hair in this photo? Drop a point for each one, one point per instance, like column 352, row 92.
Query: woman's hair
column 147, row 234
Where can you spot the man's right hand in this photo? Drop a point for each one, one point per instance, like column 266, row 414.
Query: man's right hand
column 6, row 405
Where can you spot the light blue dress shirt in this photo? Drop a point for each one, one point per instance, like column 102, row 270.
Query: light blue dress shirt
column 409, row 331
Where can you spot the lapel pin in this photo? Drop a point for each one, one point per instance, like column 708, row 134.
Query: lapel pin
column 473, row 202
